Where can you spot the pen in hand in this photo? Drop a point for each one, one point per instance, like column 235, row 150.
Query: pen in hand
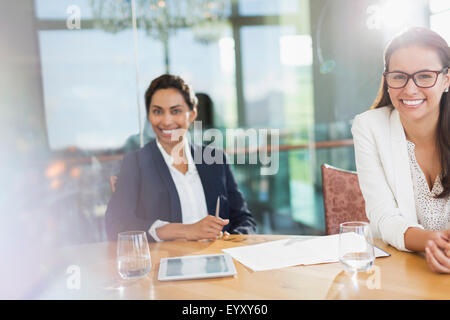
column 222, row 234
column 217, row 206
column 217, row 215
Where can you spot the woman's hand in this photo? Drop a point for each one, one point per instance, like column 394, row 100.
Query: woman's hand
column 437, row 252
column 208, row 228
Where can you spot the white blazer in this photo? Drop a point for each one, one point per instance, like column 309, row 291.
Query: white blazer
column 384, row 174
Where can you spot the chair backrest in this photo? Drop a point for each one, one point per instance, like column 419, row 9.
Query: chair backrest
column 342, row 198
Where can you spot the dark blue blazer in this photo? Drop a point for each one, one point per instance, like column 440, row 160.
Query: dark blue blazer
column 145, row 192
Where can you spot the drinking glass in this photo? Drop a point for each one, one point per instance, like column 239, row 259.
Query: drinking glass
column 133, row 255
column 356, row 251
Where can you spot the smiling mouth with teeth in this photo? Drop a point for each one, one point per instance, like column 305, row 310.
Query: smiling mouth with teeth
column 172, row 134
column 168, row 131
column 412, row 103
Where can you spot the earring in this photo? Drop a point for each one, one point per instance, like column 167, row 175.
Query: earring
column 446, row 90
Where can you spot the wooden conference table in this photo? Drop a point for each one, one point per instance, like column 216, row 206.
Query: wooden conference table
column 401, row 276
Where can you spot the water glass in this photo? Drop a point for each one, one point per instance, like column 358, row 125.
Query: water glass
column 356, row 251
column 133, row 255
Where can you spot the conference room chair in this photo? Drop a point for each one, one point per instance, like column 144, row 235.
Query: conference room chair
column 342, row 198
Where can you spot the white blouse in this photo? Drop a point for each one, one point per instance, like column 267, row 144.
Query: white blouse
column 189, row 188
column 432, row 213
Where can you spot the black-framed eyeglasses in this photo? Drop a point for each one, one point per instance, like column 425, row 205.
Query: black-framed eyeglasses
column 422, row 78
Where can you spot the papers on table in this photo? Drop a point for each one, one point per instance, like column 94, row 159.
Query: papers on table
column 291, row 252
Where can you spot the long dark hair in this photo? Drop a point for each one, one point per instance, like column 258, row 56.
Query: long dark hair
column 424, row 37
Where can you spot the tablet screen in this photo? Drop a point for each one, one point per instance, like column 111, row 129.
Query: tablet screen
column 191, row 267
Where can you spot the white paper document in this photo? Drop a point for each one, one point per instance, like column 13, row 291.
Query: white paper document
column 291, row 252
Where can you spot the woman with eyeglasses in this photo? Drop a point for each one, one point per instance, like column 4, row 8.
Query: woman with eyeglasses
column 402, row 148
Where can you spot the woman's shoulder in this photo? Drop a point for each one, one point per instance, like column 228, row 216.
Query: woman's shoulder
column 134, row 156
column 374, row 116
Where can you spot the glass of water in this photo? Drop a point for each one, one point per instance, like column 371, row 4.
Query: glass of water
column 356, row 251
column 133, row 255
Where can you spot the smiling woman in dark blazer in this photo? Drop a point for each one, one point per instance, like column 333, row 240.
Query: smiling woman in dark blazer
column 162, row 191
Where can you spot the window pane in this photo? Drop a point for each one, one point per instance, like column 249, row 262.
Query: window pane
column 51, row 9
column 89, row 85
column 278, row 93
column 439, row 5
column 209, row 68
column 267, row 7
column 277, row 73
column 441, row 24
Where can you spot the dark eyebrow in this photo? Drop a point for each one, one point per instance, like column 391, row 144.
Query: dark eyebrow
column 397, row 71
column 172, row 107
column 423, row 70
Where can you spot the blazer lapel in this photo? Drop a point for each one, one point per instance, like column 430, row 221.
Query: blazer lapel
column 209, row 181
column 403, row 182
column 163, row 170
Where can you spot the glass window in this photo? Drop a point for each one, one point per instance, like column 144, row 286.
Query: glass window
column 268, row 7
column 441, row 24
column 278, row 93
column 440, row 18
column 277, row 75
column 89, row 81
column 51, row 9
column 210, row 68
column 439, row 5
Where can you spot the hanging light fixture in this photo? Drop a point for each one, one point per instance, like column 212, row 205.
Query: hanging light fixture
column 162, row 18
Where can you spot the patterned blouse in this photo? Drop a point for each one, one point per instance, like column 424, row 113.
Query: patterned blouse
column 432, row 213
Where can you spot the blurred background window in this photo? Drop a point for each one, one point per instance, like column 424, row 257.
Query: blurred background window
column 89, row 86
column 268, row 7
column 440, row 18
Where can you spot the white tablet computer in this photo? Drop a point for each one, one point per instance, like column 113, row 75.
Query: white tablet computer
column 196, row 267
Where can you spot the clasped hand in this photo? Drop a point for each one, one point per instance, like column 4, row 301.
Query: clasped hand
column 437, row 252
